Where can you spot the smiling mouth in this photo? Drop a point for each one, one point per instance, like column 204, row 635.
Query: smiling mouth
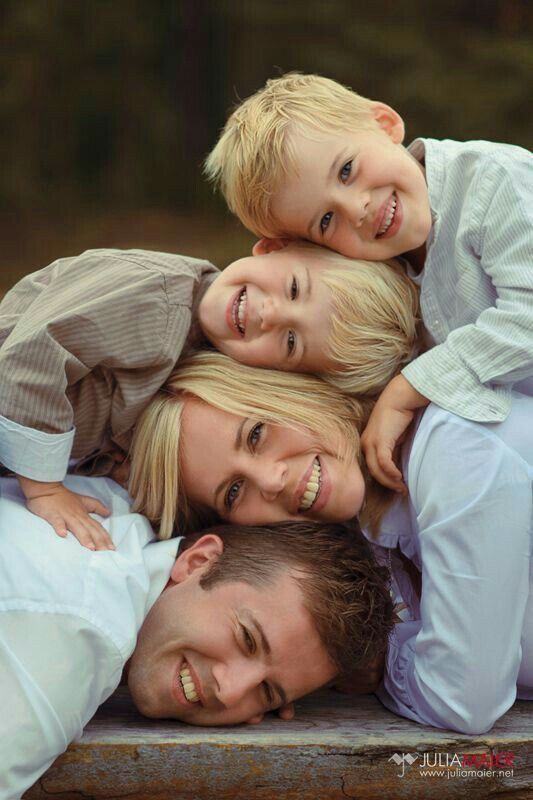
column 312, row 490
column 239, row 311
column 388, row 216
column 187, row 684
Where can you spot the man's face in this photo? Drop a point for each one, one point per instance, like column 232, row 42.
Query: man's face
column 227, row 654
column 271, row 310
column 361, row 194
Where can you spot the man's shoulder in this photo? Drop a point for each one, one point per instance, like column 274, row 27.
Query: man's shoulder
column 42, row 573
column 450, row 454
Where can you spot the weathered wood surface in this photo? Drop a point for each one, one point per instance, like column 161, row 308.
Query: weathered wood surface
column 338, row 747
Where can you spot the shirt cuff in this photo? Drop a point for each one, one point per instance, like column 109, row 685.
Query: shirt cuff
column 442, row 377
column 34, row 454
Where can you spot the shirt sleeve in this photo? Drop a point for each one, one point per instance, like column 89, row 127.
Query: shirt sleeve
column 50, row 687
column 82, row 320
column 472, row 372
column 458, row 667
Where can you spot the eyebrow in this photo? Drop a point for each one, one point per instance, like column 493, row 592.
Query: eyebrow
column 333, row 168
column 237, row 444
column 265, row 645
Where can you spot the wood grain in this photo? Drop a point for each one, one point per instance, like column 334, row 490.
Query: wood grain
column 338, row 747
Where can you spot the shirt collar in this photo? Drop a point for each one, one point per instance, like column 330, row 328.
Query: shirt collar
column 159, row 558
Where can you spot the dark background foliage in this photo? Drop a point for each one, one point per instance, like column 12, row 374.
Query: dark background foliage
column 108, row 107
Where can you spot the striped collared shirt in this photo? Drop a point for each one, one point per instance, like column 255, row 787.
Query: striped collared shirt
column 85, row 343
column 477, row 283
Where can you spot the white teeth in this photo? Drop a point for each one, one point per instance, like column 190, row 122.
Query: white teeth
column 312, row 488
column 239, row 313
column 188, row 685
column 388, row 217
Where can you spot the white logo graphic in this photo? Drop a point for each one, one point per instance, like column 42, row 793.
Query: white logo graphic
column 403, row 759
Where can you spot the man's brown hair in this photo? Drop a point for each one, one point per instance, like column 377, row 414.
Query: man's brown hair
column 345, row 590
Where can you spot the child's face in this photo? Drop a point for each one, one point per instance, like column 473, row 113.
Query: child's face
column 270, row 310
column 361, row 194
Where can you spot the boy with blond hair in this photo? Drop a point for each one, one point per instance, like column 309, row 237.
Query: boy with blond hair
column 86, row 342
column 308, row 158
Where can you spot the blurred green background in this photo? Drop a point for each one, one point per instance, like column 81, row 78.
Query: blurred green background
column 108, row 107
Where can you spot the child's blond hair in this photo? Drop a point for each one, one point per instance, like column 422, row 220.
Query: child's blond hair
column 255, row 151
column 374, row 325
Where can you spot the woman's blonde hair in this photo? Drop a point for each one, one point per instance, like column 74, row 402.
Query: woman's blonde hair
column 374, row 325
column 301, row 402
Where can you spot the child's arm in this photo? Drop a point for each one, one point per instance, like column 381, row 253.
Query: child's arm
column 85, row 343
column 393, row 412
column 472, row 371
column 67, row 511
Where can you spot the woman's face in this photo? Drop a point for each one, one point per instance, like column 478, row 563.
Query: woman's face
column 252, row 472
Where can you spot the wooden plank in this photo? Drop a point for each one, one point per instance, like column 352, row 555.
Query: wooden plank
column 338, row 747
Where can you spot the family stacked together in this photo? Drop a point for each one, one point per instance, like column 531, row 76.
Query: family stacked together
column 420, row 356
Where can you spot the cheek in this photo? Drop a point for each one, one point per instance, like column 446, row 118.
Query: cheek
column 258, row 353
column 356, row 490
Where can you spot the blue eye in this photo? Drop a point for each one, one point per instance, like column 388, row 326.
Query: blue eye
column 232, row 494
column 291, row 342
column 255, row 434
column 294, row 289
column 345, row 171
column 324, row 222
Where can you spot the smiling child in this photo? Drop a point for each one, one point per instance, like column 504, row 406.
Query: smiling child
column 86, row 342
column 308, row 158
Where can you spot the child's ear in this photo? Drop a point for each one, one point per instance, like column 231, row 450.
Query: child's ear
column 199, row 556
column 389, row 121
column 264, row 246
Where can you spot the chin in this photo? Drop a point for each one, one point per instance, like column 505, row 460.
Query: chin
column 145, row 702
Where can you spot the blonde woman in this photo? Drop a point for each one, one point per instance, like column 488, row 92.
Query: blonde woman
column 224, row 440
column 257, row 446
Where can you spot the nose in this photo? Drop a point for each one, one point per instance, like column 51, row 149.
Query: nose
column 356, row 205
column 236, row 679
column 270, row 314
column 270, row 477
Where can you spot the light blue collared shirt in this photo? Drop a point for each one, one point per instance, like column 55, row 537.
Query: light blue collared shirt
column 69, row 619
column 468, row 526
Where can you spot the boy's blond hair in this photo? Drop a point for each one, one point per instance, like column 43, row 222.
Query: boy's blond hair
column 301, row 402
column 255, row 150
column 374, row 325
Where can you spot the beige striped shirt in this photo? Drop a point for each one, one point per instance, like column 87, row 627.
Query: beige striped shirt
column 84, row 345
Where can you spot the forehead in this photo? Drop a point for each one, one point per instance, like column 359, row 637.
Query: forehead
column 205, row 429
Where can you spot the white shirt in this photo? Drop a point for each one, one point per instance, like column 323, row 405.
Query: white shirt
column 69, row 619
column 476, row 289
column 468, row 526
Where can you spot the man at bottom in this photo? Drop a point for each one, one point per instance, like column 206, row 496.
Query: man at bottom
column 241, row 622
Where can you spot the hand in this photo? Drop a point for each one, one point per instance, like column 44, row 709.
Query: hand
column 392, row 414
column 67, row 511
